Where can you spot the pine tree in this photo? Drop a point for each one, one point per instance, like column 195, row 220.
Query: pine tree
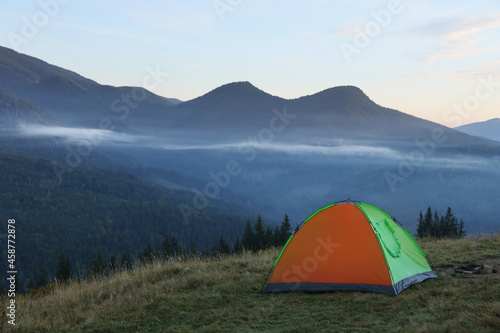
column 192, row 250
column 285, row 230
column 451, row 224
column 113, row 263
column 269, row 238
column 421, row 232
column 442, row 228
column 260, row 234
column 126, row 261
column 277, row 237
column 166, row 248
column 147, row 254
column 97, row 266
column 436, row 225
column 237, row 247
column 461, row 229
column 428, row 228
column 176, row 250
column 221, row 248
column 41, row 279
column 248, row 238
column 63, row 272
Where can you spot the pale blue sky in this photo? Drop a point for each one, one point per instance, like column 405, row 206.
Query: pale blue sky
column 426, row 58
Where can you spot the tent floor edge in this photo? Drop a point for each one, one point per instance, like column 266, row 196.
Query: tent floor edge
column 417, row 278
column 328, row 287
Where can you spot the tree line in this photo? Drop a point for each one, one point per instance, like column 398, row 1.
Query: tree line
column 432, row 225
column 255, row 238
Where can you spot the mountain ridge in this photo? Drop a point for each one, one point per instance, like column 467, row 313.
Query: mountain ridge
column 232, row 111
column 489, row 129
column 67, row 95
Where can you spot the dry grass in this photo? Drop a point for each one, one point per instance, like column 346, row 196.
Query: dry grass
column 213, row 295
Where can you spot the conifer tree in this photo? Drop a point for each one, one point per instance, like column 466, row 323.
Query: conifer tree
column 176, row 250
column 427, row 226
column 444, row 226
column 277, row 237
column 461, row 229
column 166, row 248
column 41, row 279
column 421, row 232
column 63, row 272
column 192, row 250
column 285, row 230
column 442, row 230
column 97, row 266
column 450, row 224
column 248, row 238
column 269, row 238
column 113, row 263
column 237, row 247
column 147, row 254
column 436, row 225
column 221, row 248
column 260, row 234
column 126, row 261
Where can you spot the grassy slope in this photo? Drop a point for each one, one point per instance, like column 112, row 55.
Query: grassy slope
column 214, row 295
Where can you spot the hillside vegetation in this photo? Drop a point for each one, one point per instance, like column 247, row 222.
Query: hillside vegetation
column 96, row 209
column 222, row 294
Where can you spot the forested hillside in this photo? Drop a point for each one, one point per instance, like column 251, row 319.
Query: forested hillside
column 13, row 109
column 96, row 209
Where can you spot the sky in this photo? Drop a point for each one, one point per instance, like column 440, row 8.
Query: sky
column 437, row 60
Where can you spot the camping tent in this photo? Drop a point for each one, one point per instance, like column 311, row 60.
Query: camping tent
column 349, row 245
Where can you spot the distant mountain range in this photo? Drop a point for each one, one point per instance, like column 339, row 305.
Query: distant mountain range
column 230, row 112
column 67, row 95
column 489, row 129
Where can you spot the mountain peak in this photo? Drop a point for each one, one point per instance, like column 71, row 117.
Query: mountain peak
column 230, row 93
column 340, row 96
column 342, row 92
column 241, row 87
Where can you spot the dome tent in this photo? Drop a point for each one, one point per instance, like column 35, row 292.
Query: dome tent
column 349, row 245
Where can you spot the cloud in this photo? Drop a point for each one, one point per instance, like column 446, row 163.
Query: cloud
column 417, row 77
column 70, row 134
column 337, row 150
column 492, row 69
column 123, row 33
column 455, row 37
column 371, row 154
